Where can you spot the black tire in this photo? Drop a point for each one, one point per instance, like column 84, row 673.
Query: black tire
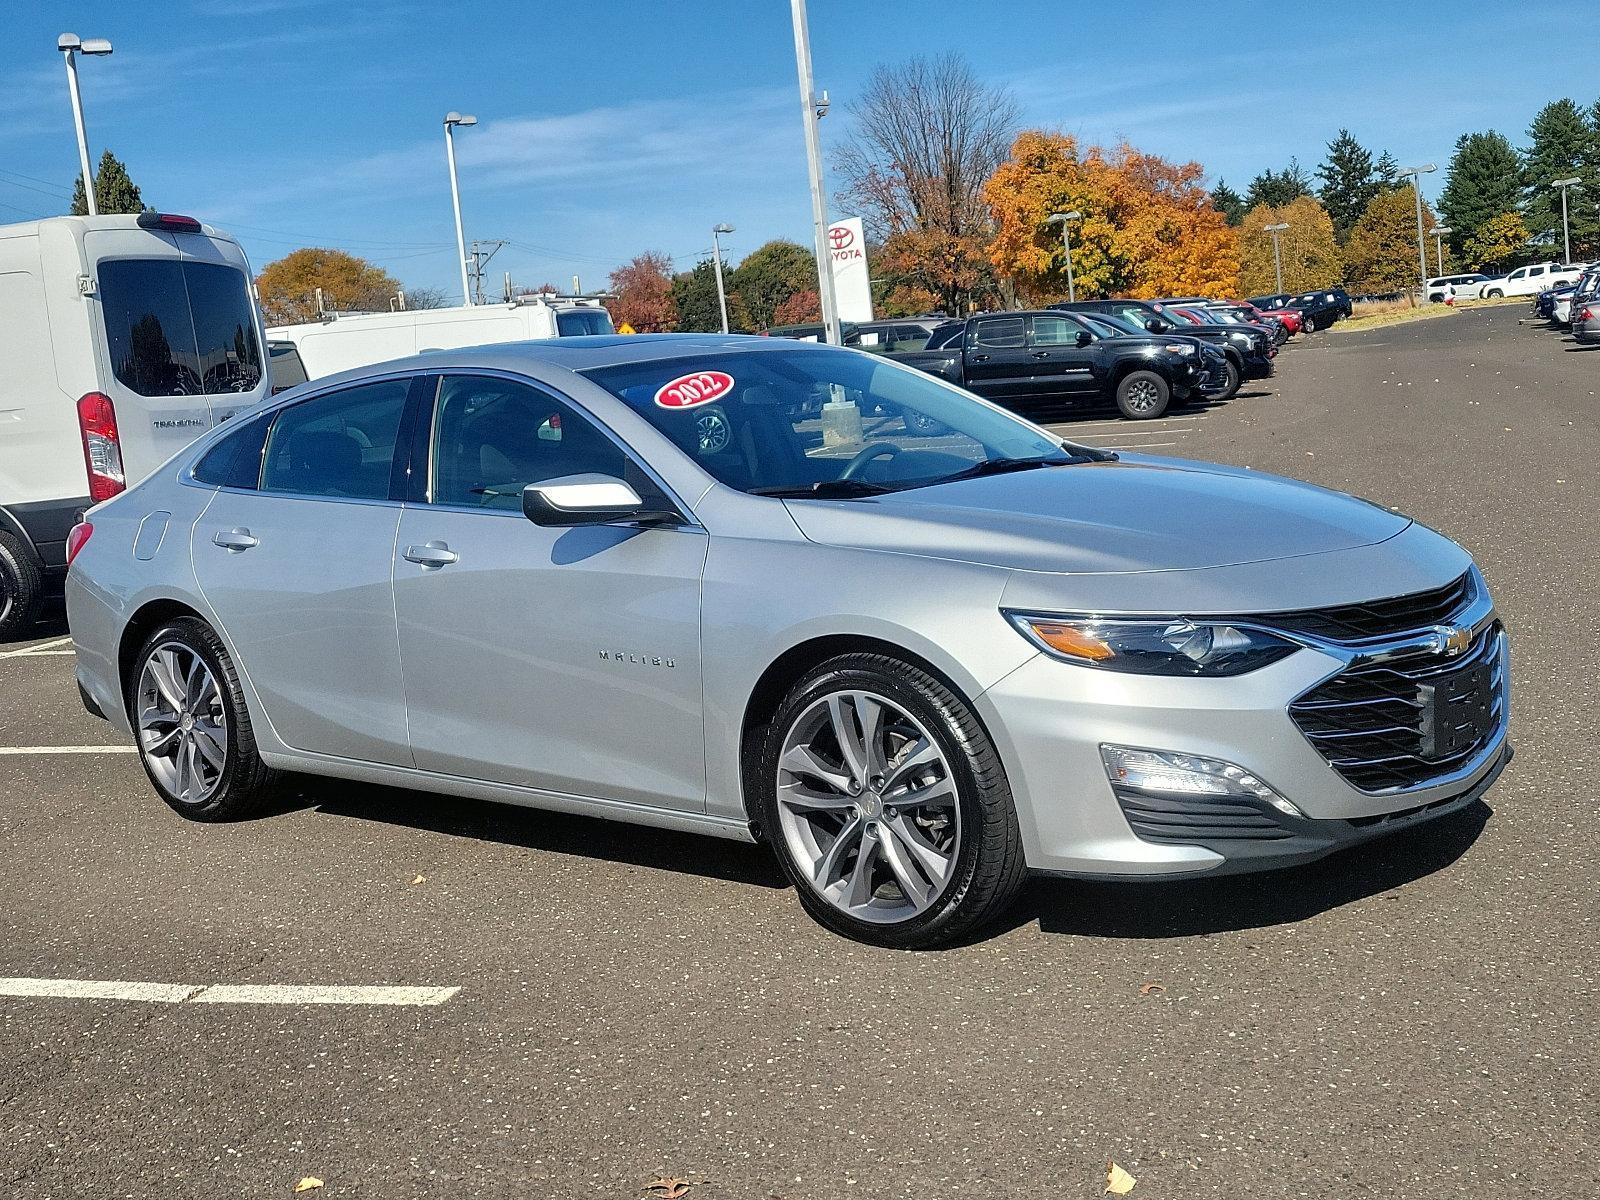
column 246, row 783
column 989, row 867
column 1235, row 381
column 21, row 589
column 1132, row 390
column 1495, row 294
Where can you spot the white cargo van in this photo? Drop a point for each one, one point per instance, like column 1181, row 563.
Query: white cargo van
column 340, row 341
column 121, row 340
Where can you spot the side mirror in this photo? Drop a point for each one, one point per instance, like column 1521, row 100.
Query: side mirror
column 588, row 500
column 1084, row 338
column 1157, row 325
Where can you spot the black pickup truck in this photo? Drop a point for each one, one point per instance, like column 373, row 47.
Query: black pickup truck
column 1250, row 350
column 1027, row 361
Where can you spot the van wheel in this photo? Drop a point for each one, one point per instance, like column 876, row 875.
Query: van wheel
column 21, row 589
column 194, row 736
column 887, row 805
column 1142, row 395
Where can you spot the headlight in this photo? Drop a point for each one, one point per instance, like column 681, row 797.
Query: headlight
column 1180, row 349
column 1174, row 646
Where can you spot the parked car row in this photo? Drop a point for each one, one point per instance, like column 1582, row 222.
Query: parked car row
column 1574, row 306
column 1529, row 280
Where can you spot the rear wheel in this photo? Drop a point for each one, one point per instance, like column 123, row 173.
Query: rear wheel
column 21, row 589
column 1142, row 395
column 1494, row 294
column 194, row 735
column 887, row 805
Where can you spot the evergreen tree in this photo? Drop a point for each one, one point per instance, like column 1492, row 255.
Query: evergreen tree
column 1228, row 202
column 1277, row 188
column 1483, row 182
column 695, row 294
column 1386, row 171
column 1561, row 145
column 1348, row 182
column 114, row 192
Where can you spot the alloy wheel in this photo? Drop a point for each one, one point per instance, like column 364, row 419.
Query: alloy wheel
column 1143, row 395
column 868, row 807
column 182, row 722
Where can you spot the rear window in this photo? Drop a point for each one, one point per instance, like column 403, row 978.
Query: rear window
column 177, row 328
column 577, row 322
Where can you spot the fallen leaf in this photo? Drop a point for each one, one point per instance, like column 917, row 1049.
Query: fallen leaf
column 309, row 1184
column 1151, row 987
column 419, row 879
column 1118, row 1181
column 667, row 1188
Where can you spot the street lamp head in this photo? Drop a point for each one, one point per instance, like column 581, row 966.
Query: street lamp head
column 455, row 118
column 95, row 46
column 68, row 41
column 1278, row 228
column 1575, row 181
column 1424, row 169
column 1440, row 230
column 1063, row 218
column 723, row 228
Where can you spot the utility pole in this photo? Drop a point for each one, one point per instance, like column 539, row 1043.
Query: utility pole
column 479, row 260
column 812, row 110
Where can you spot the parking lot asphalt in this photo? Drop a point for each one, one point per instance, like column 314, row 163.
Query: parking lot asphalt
column 1412, row 1018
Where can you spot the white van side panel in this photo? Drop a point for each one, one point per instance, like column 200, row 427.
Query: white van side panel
column 41, row 456
column 363, row 339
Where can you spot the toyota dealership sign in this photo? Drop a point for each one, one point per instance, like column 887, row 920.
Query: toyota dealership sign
column 852, row 284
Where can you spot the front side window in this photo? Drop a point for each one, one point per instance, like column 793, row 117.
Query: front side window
column 1055, row 331
column 821, row 422
column 338, row 445
column 179, row 328
column 493, row 437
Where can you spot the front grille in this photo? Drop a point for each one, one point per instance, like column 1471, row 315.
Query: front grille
column 1184, row 820
column 1404, row 723
column 1376, row 618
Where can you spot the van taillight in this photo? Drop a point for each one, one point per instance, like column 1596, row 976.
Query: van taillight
column 77, row 539
column 172, row 221
column 102, row 449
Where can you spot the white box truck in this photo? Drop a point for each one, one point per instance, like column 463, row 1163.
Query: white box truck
column 340, row 341
column 122, row 339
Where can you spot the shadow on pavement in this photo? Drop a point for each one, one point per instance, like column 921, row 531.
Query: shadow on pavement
column 536, row 829
column 1201, row 906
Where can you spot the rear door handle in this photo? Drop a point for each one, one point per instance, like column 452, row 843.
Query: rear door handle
column 234, row 539
column 430, row 554
column 980, row 358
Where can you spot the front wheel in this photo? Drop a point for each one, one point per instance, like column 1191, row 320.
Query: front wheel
column 1235, row 378
column 194, row 735
column 1142, row 395
column 887, row 805
column 1496, row 294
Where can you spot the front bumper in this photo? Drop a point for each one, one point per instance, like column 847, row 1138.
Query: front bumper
column 1258, row 365
column 1051, row 719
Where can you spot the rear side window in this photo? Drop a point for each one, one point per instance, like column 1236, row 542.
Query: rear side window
column 577, row 322
column 235, row 461
column 1002, row 332
column 178, row 328
column 340, row 445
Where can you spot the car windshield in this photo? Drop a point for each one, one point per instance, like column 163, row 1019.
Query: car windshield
column 825, row 423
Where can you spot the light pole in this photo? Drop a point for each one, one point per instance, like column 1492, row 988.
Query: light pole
column 1566, row 234
column 1064, row 220
column 812, row 110
column 716, row 257
column 451, row 120
column 1277, row 254
column 1438, row 232
column 1416, row 174
column 71, row 45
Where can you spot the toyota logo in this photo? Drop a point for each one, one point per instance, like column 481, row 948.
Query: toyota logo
column 840, row 237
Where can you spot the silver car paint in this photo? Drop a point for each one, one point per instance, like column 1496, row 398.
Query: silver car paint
column 918, row 572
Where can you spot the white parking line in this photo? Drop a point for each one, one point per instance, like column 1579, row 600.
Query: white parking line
column 42, row 648
column 226, row 993
column 1115, row 423
column 67, row 749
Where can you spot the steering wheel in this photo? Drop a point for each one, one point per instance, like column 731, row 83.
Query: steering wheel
column 856, row 465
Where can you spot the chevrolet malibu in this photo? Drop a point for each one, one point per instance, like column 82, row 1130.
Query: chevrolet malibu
column 786, row 593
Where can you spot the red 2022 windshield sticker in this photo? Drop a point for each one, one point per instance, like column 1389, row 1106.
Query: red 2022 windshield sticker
column 687, row 391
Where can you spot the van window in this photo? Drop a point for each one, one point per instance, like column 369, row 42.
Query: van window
column 286, row 368
column 177, row 328
column 578, row 321
column 339, row 444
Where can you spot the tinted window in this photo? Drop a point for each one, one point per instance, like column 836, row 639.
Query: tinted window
column 287, row 369
column 1055, row 331
column 766, row 428
column 576, row 322
column 179, row 328
column 493, row 437
column 341, row 444
column 1002, row 332
column 235, row 461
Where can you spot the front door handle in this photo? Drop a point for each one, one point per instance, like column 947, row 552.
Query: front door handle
column 430, row 554
column 1041, row 354
column 234, row 539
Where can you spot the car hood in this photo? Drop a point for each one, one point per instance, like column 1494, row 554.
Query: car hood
column 1135, row 515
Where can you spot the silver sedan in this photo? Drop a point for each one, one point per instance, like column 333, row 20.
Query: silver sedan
column 786, row 593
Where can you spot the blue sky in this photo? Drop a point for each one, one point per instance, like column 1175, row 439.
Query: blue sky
column 607, row 128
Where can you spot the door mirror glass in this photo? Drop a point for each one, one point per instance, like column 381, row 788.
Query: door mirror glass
column 1084, row 338
column 586, row 500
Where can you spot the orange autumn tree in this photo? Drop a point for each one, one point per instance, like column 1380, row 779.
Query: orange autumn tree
column 1148, row 226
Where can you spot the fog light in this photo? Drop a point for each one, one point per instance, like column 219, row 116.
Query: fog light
column 1161, row 771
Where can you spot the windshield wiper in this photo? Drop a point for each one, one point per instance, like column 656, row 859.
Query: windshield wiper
column 1004, row 466
column 826, row 489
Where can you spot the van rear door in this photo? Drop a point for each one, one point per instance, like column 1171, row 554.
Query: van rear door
column 182, row 342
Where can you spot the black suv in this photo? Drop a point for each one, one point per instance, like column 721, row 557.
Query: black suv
column 1250, row 351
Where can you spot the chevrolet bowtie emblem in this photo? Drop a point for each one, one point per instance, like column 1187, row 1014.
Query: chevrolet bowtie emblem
column 1454, row 640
